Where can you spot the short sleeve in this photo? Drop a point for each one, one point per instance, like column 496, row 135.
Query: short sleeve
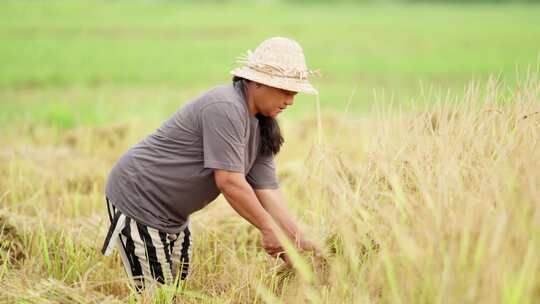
column 263, row 173
column 223, row 129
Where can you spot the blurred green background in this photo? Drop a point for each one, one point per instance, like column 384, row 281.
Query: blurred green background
column 71, row 63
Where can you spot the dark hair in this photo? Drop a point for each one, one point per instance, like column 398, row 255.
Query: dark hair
column 271, row 138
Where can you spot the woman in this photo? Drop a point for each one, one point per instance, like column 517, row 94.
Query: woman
column 224, row 142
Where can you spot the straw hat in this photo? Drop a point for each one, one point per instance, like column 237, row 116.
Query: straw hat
column 277, row 62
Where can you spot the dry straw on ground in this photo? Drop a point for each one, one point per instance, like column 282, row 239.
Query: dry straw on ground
column 438, row 204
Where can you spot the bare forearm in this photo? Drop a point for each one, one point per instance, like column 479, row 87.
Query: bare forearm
column 273, row 202
column 242, row 198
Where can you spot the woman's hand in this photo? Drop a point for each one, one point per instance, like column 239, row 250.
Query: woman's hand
column 273, row 246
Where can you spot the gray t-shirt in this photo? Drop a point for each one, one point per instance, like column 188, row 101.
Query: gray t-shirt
column 167, row 176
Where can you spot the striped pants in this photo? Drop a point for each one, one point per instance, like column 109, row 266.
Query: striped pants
column 149, row 256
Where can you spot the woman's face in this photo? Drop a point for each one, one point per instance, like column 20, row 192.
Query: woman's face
column 270, row 101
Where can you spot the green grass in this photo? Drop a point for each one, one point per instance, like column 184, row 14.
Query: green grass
column 168, row 52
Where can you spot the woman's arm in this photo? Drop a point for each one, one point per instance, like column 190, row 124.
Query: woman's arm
column 241, row 197
column 273, row 201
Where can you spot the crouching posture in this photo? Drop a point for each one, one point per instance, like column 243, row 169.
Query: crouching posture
column 223, row 141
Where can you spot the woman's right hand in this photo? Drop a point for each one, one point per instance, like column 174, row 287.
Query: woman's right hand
column 273, row 246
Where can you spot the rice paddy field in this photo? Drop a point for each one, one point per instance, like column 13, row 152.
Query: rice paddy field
column 417, row 169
